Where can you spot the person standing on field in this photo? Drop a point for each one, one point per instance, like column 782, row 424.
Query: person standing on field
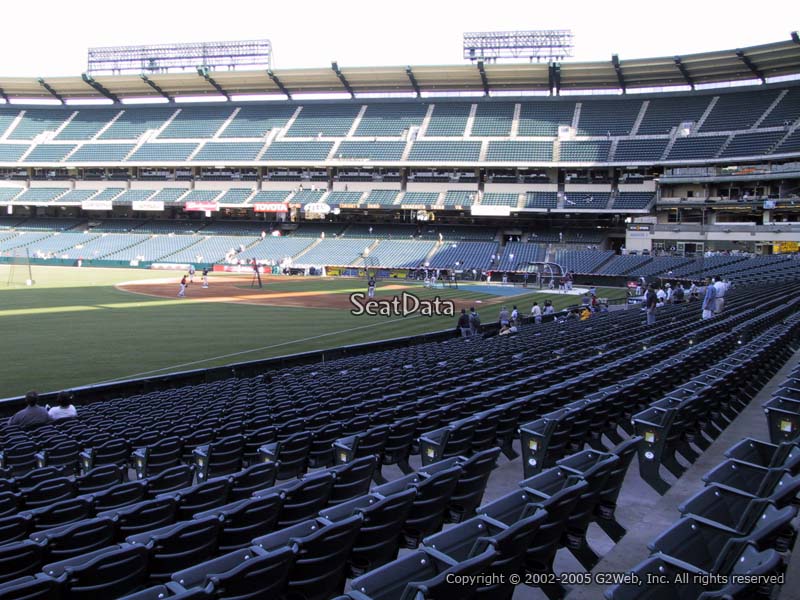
column 205, row 277
column 182, row 291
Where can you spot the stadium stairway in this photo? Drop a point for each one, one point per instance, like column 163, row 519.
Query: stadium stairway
column 646, row 513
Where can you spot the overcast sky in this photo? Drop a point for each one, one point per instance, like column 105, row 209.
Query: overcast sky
column 49, row 38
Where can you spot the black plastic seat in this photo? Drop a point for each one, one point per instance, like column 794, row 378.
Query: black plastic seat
column 447, row 442
column 717, row 550
column 352, row 479
column 76, row 538
column 178, row 546
column 764, row 454
column 422, row 574
column 99, row 478
column 247, row 574
column 200, row 497
column 157, row 457
column 113, row 452
column 398, row 445
column 321, row 452
column 20, row 558
column 319, row 570
column 48, row 492
column 605, row 511
column 430, row 505
column 40, row 587
column 103, row 574
column 9, row 503
column 63, row 454
column 15, row 528
column 473, row 537
column 291, row 453
column 170, row 480
column 366, row 443
column 556, row 492
column 468, row 494
column 245, row 519
column 253, row 440
column 123, row 494
column 380, row 536
column 304, row 498
column 251, row 479
column 143, row 516
column 222, row 457
column 61, row 513
column 594, row 468
column 19, row 458
column 162, row 592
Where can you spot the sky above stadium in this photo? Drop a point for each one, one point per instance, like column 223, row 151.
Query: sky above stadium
column 51, row 38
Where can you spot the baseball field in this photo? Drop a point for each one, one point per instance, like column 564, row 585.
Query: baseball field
column 82, row 326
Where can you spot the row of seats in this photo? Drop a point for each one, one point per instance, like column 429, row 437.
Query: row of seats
column 739, row 525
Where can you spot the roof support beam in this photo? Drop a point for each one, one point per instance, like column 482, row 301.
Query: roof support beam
column 343, row 79
column 204, row 73
column 413, row 81
column 98, row 87
column 4, row 96
column 618, row 70
column 554, row 78
column 750, row 65
column 484, row 78
column 684, row 71
column 156, row 87
column 279, row 83
column 50, row 89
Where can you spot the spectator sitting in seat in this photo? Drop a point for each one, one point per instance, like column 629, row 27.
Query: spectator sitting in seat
column 32, row 415
column 64, row 408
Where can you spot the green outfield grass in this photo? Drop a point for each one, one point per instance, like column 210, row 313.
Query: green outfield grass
column 73, row 327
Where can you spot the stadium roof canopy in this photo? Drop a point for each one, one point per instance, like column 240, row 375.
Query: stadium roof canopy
column 762, row 62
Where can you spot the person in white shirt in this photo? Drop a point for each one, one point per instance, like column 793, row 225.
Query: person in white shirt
column 662, row 297
column 64, row 408
column 536, row 312
column 719, row 301
column 514, row 315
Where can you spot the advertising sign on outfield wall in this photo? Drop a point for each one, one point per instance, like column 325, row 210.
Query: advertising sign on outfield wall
column 490, row 210
column 201, row 206
column 270, row 207
column 317, row 208
column 150, row 205
column 96, row 205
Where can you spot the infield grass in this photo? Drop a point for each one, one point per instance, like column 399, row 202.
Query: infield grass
column 74, row 328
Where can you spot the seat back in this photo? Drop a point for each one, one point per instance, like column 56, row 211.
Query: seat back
column 99, row 478
column 471, row 484
column 430, row 505
column 379, row 537
column 225, row 455
column 305, row 498
column 254, row 477
column 61, row 513
column 77, row 538
column 170, row 480
column 178, row 546
column 245, row 520
column 107, row 575
column 201, row 497
column 352, row 479
column 15, row 528
column 242, row 575
column 120, row 495
column 20, row 558
column 31, row 588
column 319, row 569
column 143, row 516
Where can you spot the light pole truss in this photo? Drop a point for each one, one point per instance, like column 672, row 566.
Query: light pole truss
column 544, row 45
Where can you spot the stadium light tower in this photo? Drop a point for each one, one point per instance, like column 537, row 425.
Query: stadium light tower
column 164, row 58
column 544, row 45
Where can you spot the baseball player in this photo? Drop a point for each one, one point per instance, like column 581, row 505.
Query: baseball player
column 205, row 277
column 182, row 292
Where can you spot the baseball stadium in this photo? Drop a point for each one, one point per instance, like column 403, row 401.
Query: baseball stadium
column 496, row 330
